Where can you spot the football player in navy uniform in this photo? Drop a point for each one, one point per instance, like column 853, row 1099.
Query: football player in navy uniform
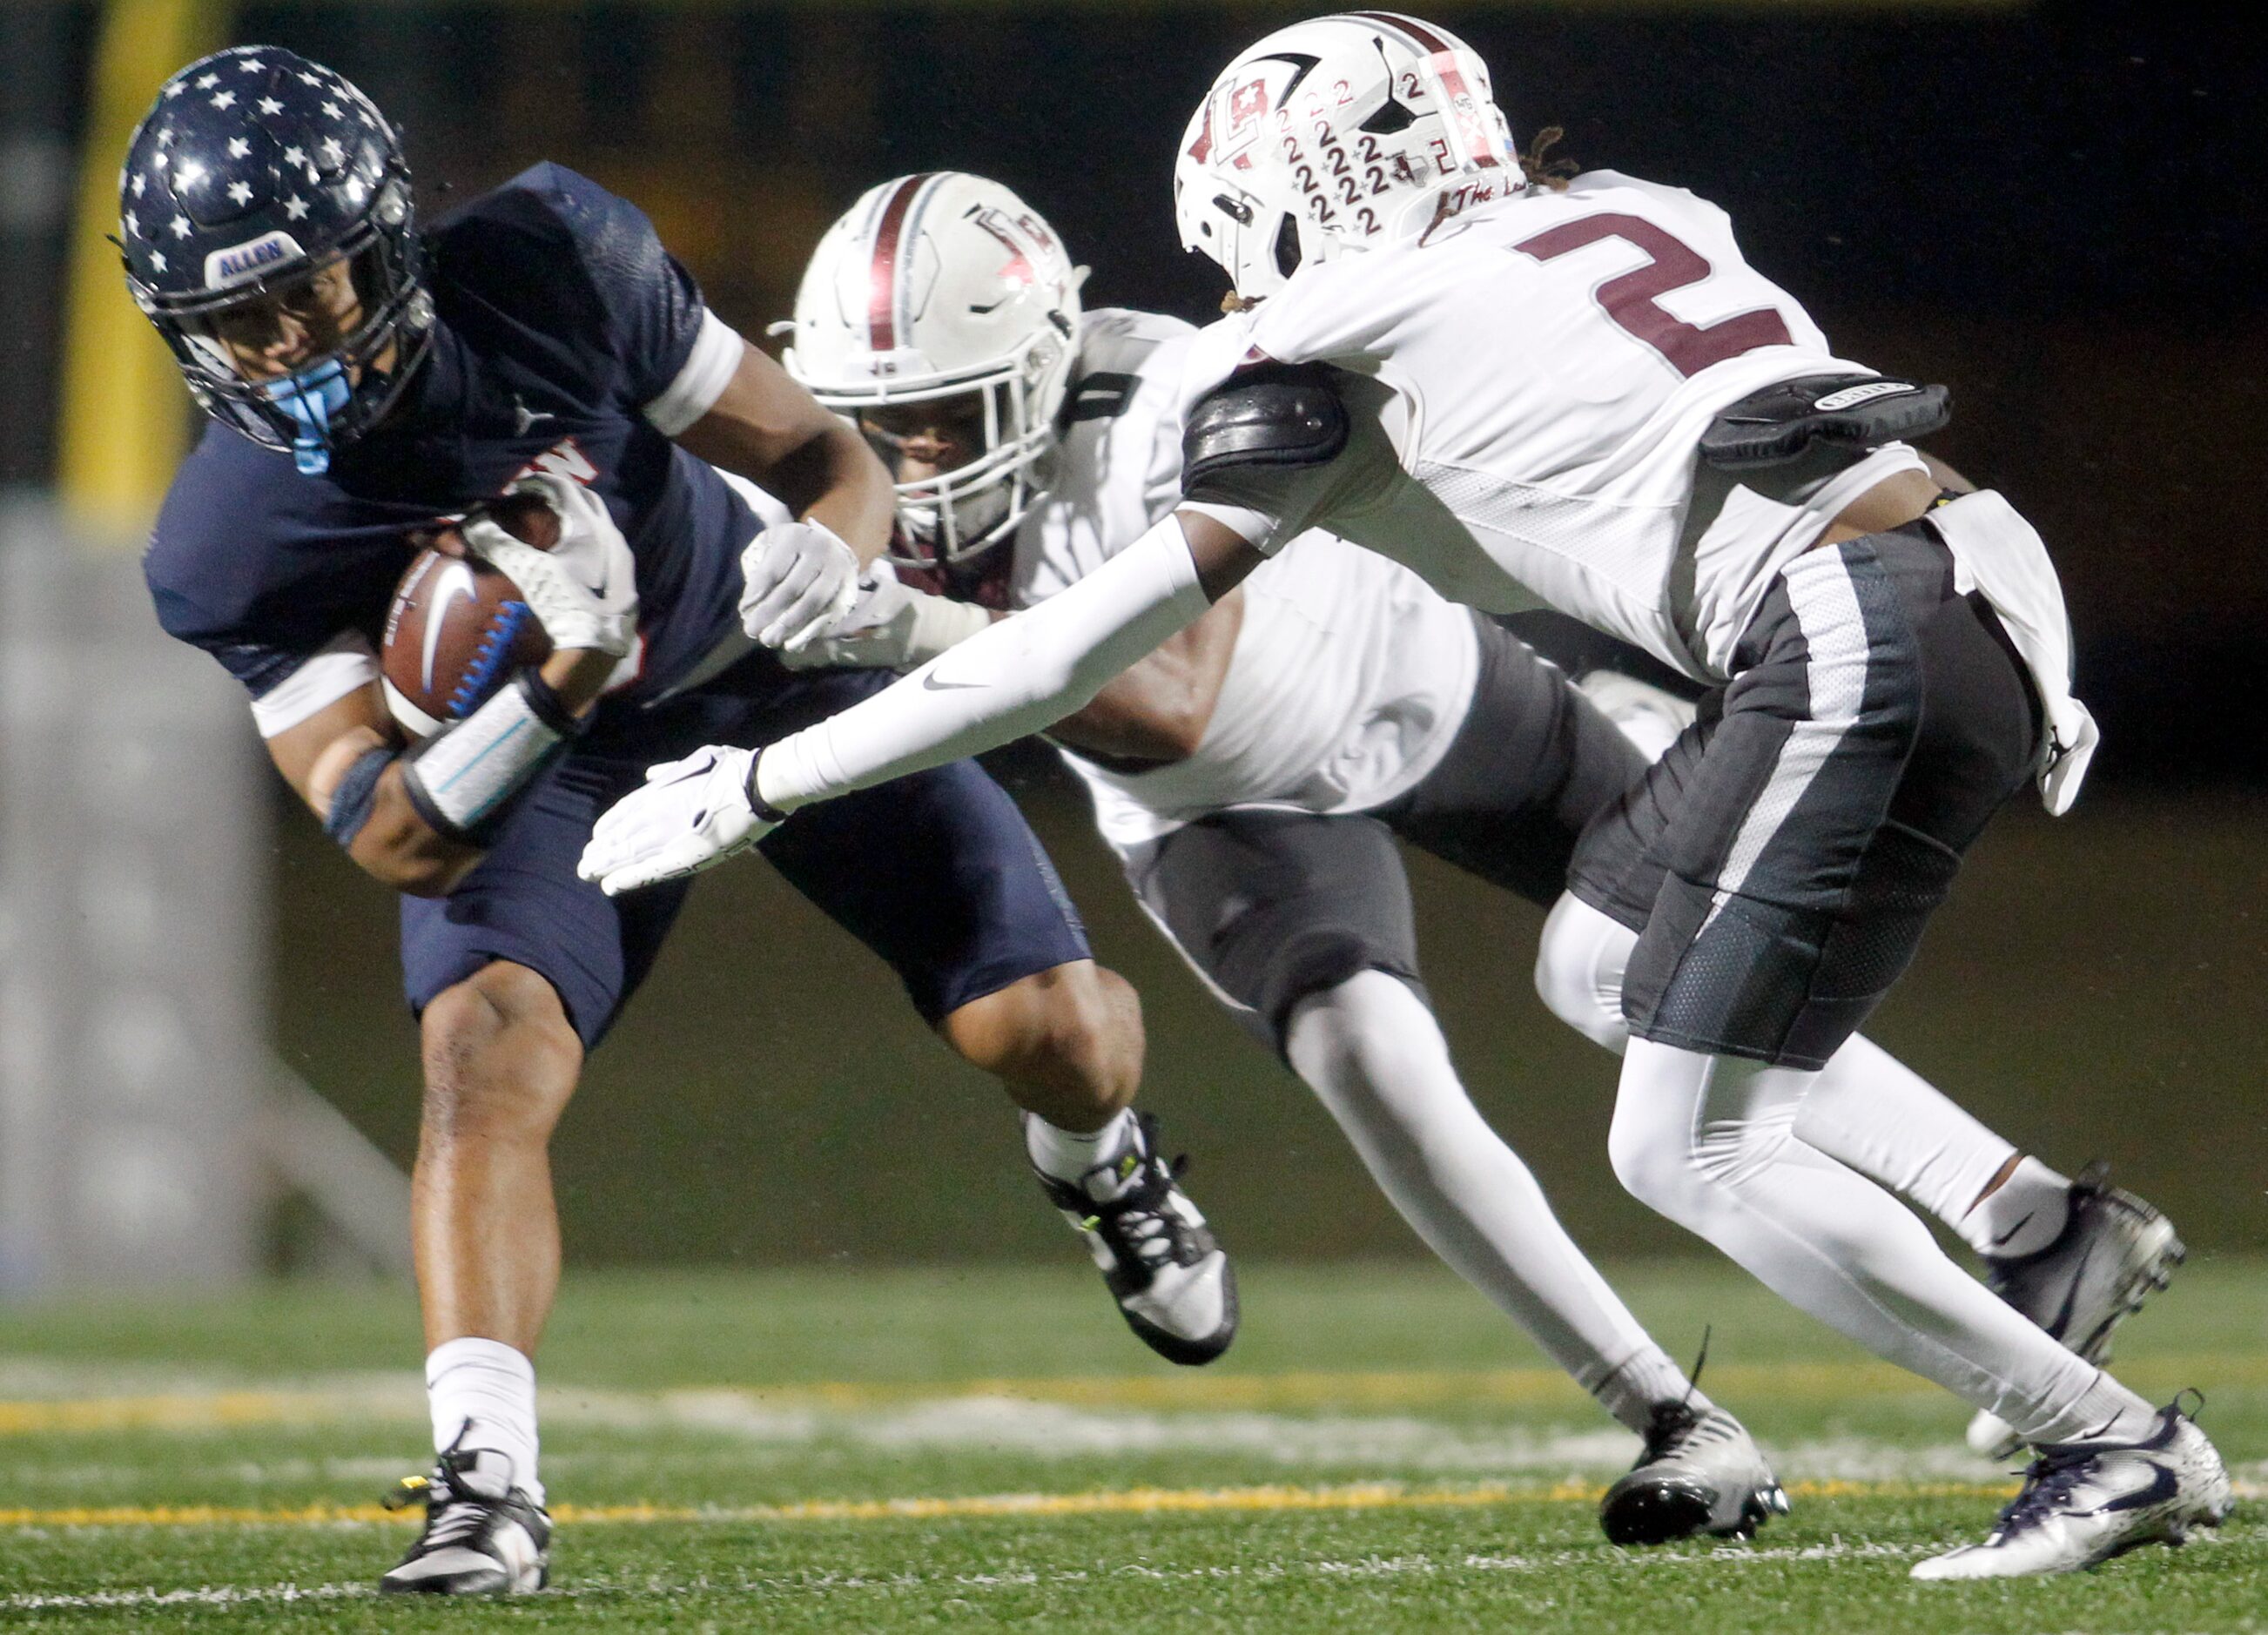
column 365, row 380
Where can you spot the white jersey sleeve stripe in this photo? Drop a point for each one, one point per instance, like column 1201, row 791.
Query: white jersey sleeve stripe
column 328, row 676
column 715, row 355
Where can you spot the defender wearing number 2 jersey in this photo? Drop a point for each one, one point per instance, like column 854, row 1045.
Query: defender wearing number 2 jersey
column 1428, row 374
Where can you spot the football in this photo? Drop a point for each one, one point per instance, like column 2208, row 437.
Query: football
column 457, row 628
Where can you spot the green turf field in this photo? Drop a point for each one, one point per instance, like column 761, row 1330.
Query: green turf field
column 863, row 1451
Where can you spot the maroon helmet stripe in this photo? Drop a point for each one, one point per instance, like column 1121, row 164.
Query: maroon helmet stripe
column 1426, row 39
column 882, row 271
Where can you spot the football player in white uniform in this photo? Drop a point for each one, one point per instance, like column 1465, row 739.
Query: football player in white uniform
column 1578, row 393
column 1266, row 756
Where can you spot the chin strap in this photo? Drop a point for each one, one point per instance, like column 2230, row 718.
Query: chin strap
column 310, row 397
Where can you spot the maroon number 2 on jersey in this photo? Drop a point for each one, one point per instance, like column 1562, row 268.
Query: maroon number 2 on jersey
column 1629, row 299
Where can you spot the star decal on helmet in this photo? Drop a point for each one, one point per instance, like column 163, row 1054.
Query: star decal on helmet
column 239, row 147
column 295, row 208
column 208, row 82
column 271, row 105
column 240, row 192
column 225, row 99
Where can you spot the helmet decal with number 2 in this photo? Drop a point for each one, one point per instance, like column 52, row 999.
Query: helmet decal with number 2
column 1333, row 134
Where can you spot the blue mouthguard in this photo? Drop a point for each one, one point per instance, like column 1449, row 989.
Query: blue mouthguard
column 310, row 397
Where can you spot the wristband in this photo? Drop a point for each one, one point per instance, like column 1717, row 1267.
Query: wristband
column 766, row 813
column 464, row 778
column 356, row 793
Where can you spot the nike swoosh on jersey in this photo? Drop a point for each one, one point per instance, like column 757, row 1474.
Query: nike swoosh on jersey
column 456, row 580
column 934, row 684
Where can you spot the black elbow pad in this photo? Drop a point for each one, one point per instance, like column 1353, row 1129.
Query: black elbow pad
column 1856, row 412
column 1275, row 414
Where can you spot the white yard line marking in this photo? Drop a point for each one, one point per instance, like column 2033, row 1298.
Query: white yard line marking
column 1713, row 1556
column 189, row 1403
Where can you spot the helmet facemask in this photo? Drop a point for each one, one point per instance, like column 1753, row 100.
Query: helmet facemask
column 266, row 226
column 331, row 396
column 947, row 518
column 941, row 306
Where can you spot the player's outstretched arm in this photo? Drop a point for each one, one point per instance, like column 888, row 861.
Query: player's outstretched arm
column 1157, row 711
column 1021, row 675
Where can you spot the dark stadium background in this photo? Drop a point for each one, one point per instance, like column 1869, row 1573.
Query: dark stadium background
column 2058, row 209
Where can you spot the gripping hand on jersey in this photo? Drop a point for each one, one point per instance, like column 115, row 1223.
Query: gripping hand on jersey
column 800, row 581
column 583, row 590
column 891, row 627
column 691, row 815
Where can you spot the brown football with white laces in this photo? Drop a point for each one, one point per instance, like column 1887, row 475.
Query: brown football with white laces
column 457, row 628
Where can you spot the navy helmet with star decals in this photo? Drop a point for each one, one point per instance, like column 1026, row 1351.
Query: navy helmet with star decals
column 256, row 181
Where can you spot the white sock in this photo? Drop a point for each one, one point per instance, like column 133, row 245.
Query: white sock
column 1631, row 1392
column 484, row 1392
column 1710, row 1141
column 1373, row 1054
column 1066, row 1154
column 2023, row 1215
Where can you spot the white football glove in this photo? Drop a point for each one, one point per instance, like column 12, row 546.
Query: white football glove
column 691, row 815
column 800, row 580
column 583, row 590
column 891, row 627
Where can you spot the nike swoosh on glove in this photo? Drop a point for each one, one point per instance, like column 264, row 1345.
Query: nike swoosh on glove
column 583, row 590
column 800, row 582
column 691, row 815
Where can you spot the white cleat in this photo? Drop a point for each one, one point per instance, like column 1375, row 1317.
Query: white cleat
column 1700, row 1476
column 483, row 1536
column 2114, row 1253
column 1172, row 1281
column 2083, row 1504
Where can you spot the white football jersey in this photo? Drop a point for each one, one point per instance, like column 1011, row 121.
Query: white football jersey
column 1534, row 378
column 1350, row 677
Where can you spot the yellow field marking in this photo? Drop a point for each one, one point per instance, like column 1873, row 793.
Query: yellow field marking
column 1793, row 1382
column 1128, row 1501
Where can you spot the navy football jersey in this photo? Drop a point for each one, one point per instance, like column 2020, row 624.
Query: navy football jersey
column 561, row 319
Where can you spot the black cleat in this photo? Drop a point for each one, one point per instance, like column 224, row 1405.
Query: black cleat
column 1172, row 1282
column 482, row 1536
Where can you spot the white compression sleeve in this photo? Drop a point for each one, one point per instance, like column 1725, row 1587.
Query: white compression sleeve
column 1023, row 674
column 1373, row 1053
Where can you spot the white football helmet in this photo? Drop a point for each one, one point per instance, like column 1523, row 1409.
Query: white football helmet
column 1335, row 134
column 936, row 286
